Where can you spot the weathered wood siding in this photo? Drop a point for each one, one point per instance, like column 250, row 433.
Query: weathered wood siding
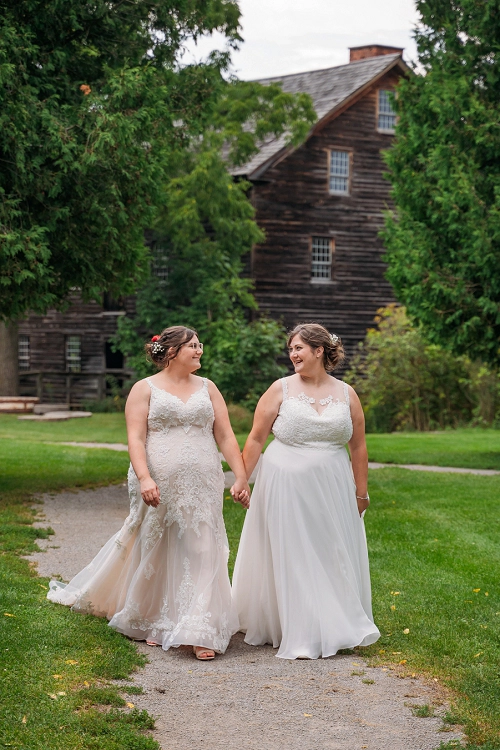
column 48, row 333
column 294, row 204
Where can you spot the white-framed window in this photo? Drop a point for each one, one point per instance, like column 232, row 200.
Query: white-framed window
column 321, row 259
column 23, row 348
column 340, row 172
column 73, row 354
column 386, row 120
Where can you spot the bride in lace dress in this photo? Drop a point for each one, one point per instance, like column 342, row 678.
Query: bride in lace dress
column 163, row 577
column 301, row 579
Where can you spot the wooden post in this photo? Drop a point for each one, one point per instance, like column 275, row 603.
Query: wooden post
column 39, row 385
column 68, row 390
column 9, row 368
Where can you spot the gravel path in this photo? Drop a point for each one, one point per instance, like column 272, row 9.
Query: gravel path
column 247, row 698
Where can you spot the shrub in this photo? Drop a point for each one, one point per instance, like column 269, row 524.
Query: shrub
column 405, row 383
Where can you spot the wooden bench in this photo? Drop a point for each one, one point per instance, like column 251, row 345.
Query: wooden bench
column 17, row 404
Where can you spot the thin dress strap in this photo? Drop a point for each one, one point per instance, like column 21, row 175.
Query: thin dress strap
column 346, row 392
column 148, row 381
column 284, row 385
column 205, row 383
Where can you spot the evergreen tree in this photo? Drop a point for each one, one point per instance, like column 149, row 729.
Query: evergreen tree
column 444, row 240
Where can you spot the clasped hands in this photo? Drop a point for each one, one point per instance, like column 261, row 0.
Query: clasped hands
column 150, row 493
column 240, row 492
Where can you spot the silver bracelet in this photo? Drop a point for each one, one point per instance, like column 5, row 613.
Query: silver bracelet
column 358, row 497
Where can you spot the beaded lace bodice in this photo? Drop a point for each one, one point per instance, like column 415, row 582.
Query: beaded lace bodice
column 184, row 461
column 298, row 423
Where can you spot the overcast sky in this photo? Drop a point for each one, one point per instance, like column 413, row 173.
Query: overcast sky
column 290, row 36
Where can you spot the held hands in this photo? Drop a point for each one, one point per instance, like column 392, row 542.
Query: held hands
column 240, row 492
column 150, row 492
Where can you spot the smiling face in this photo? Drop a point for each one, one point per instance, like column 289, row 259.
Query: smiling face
column 189, row 355
column 304, row 358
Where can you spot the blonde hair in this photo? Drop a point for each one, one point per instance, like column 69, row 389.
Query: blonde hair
column 316, row 335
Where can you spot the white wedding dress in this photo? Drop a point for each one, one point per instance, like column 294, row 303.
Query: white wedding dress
column 301, row 580
column 163, row 577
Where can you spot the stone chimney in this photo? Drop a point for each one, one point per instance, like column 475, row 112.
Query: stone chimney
column 372, row 50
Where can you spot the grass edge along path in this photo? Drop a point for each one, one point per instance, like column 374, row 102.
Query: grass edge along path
column 434, row 559
column 421, row 531
column 57, row 666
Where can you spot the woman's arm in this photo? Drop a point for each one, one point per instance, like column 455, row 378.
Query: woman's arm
column 358, row 451
column 225, row 439
column 136, row 415
column 265, row 414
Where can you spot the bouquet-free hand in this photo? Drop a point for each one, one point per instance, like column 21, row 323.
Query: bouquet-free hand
column 150, row 492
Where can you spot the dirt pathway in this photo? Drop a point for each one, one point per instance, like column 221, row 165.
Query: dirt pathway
column 247, row 698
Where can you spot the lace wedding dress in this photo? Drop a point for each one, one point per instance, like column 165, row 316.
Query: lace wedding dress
column 163, row 577
column 301, row 579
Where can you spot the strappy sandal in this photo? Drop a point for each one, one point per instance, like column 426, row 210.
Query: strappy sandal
column 198, row 650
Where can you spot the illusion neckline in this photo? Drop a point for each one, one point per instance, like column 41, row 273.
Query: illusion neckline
column 185, row 403
column 309, row 400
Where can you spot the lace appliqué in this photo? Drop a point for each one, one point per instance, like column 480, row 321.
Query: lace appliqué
column 149, row 571
column 154, row 531
column 298, row 422
column 193, row 617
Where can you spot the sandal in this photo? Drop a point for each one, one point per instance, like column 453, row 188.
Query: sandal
column 199, row 650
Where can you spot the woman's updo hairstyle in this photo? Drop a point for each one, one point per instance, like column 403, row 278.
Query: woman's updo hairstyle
column 157, row 350
column 315, row 335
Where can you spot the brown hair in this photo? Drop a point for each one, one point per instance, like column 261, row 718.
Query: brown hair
column 315, row 335
column 170, row 338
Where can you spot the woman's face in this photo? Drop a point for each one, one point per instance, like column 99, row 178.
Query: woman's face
column 303, row 357
column 189, row 355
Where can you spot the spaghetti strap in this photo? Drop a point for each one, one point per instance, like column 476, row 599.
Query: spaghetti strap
column 284, row 385
column 346, row 393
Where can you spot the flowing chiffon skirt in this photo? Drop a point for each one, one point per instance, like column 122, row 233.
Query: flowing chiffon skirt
column 301, row 580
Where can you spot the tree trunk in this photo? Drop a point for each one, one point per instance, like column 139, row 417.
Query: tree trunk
column 9, row 369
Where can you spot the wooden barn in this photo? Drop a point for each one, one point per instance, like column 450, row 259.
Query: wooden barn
column 321, row 206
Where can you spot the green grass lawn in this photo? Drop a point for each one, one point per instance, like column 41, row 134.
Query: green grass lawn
column 55, row 665
column 99, row 428
column 434, row 558
column 474, row 448
column 435, row 561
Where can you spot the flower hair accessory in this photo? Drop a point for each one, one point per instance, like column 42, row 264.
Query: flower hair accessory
column 334, row 338
column 157, row 348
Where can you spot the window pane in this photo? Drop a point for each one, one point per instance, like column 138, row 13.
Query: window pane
column 386, row 113
column 339, row 172
column 24, row 352
column 73, row 354
column 339, row 164
column 321, row 265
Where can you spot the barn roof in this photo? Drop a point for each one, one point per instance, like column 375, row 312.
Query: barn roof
column 330, row 89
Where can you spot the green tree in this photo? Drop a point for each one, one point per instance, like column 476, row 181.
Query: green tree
column 444, row 239
column 204, row 230
column 95, row 109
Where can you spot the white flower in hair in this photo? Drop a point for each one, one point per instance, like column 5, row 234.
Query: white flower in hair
column 334, row 338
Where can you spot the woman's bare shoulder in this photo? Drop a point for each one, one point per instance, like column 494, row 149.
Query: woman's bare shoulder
column 140, row 389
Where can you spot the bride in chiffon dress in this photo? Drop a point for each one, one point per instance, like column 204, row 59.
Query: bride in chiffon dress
column 301, row 579
column 163, row 577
